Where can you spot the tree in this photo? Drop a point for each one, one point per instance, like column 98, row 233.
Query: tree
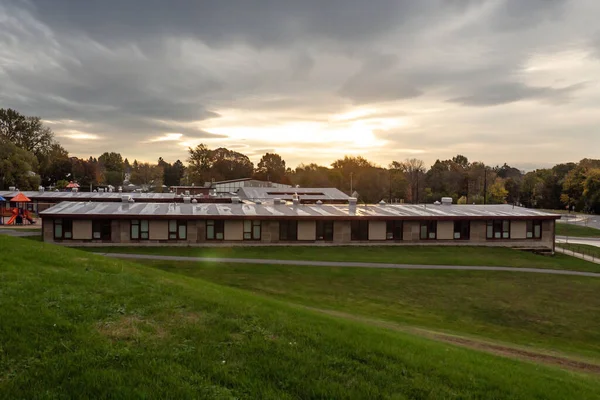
column 17, row 167
column 414, row 171
column 199, row 164
column 591, row 190
column 54, row 165
column 271, row 167
column 28, row 133
column 85, row 172
column 112, row 168
column 496, row 192
column 148, row 176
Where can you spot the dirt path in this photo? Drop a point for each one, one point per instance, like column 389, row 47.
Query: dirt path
column 475, row 344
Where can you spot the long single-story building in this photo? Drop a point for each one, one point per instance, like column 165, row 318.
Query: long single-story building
column 196, row 224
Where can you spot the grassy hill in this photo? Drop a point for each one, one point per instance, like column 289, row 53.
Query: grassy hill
column 427, row 255
column 74, row 324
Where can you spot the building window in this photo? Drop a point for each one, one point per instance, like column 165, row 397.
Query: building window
column 325, row 230
column 101, row 230
column 139, row 229
column 393, row 230
column 534, row 229
column 215, row 230
column 428, row 230
column 288, row 230
column 359, row 230
column 462, row 230
column 251, row 230
column 63, row 229
column 177, row 230
column 498, row 229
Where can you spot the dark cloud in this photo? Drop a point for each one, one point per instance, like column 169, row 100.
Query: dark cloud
column 131, row 71
column 510, row 92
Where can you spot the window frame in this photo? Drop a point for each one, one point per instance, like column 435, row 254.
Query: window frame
column 140, row 231
column 218, row 226
column 290, row 228
column 322, row 226
column 252, row 223
column 391, row 228
column 498, row 226
column 461, row 230
column 431, row 228
column 63, row 222
column 176, row 234
column 359, row 230
column 102, row 223
column 530, row 229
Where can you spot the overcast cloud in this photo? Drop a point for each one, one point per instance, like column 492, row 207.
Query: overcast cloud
column 498, row 80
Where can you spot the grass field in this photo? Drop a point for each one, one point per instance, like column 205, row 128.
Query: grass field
column 544, row 311
column 76, row 324
column 427, row 255
column 564, row 229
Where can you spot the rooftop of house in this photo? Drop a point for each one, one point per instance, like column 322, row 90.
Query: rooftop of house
column 295, row 211
column 271, row 193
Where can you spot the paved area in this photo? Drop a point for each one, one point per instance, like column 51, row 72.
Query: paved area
column 589, row 241
column 349, row 264
column 593, row 221
column 19, row 233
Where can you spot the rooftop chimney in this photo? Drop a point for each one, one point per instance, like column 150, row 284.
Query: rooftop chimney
column 125, row 199
column 187, row 199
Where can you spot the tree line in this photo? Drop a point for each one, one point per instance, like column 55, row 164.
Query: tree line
column 30, row 156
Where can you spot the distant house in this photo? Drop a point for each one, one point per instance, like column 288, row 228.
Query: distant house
column 303, row 195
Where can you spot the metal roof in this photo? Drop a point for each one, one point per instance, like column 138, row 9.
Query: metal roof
column 270, row 193
column 287, row 211
column 95, row 196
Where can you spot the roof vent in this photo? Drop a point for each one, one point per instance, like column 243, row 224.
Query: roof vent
column 277, row 201
column 41, row 189
column 352, row 200
column 437, row 203
column 12, row 188
column 446, row 201
column 186, row 199
column 235, row 200
column 194, row 201
column 126, row 199
column 382, row 203
column 319, row 202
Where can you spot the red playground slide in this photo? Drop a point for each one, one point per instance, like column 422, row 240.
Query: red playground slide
column 15, row 213
column 27, row 216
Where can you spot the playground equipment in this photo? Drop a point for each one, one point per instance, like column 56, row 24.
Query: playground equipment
column 20, row 214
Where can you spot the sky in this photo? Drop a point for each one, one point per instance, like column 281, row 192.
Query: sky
column 515, row 81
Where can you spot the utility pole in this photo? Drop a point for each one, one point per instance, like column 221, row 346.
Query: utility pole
column 484, row 185
column 351, row 191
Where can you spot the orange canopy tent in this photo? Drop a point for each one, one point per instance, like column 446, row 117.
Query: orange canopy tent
column 20, row 198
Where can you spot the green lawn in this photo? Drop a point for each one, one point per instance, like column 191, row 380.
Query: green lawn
column 565, row 229
column 545, row 311
column 76, row 324
column 427, row 255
